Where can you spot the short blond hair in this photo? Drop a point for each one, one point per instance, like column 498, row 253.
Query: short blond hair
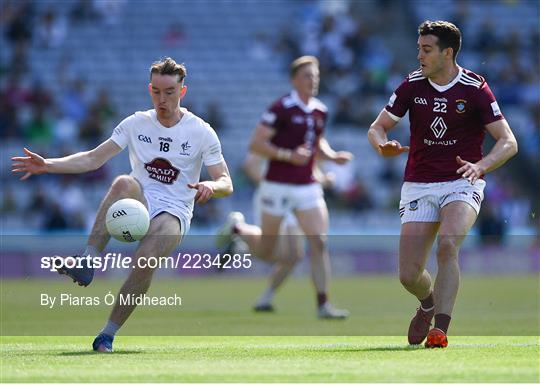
column 301, row 62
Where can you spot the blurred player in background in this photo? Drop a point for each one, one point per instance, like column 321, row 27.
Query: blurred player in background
column 167, row 147
column 290, row 248
column 290, row 135
column 450, row 108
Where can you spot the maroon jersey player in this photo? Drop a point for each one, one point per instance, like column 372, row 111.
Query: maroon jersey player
column 450, row 109
column 296, row 125
column 290, row 135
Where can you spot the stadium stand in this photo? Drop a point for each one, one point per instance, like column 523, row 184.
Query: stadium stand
column 91, row 60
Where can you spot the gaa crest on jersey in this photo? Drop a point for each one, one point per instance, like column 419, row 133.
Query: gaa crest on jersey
column 460, row 106
column 144, row 138
column 185, row 147
column 162, row 170
column 419, row 100
column 413, row 206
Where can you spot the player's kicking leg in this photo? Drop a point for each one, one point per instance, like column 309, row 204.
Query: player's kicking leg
column 290, row 251
column 262, row 241
column 415, row 245
column 124, row 186
column 314, row 223
column 163, row 236
column 226, row 236
column 457, row 219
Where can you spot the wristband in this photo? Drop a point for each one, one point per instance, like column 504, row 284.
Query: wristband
column 284, row 154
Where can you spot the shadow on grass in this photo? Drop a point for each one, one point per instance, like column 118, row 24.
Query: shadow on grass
column 92, row 353
column 404, row 348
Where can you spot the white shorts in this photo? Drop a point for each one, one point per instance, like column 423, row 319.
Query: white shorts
column 158, row 204
column 281, row 198
column 289, row 220
column 422, row 202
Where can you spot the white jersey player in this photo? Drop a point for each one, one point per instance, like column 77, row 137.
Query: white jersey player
column 166, row 161
column 167, row 147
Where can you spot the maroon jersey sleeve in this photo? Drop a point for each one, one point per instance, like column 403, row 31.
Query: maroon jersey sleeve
column 399, row 102
column 273, row 116
column 487, row 105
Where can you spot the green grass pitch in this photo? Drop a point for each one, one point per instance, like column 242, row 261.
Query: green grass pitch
column 214, row 337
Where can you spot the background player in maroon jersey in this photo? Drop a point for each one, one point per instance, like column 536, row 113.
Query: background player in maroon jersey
column 450, row 108
column 290, row 135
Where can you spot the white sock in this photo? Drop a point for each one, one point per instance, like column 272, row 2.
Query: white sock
column 267, row 296
column 110, row 328
column 91, row 251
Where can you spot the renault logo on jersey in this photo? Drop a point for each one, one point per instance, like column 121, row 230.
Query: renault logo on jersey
column 438, row 127
column 419, row 100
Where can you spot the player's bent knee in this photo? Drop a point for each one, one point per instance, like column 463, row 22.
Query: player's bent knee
column 447, row 249
column 409, row 278
column 267, row 250
column 318, row 242
column 126, row 185
column 446, row 257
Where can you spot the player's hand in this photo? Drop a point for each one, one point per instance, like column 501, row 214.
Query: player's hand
column 468, row 170
column 328, row 179
column 301, row 155
column 392, row 148
column 30, row 164
column 204, row 192
column 343, row 157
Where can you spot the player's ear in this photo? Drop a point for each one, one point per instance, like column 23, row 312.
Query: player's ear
column 183, row 91
column 150, row 88
column 449, row 52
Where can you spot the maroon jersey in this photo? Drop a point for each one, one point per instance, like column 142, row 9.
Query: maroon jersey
column 445, row 121
column 295, row 124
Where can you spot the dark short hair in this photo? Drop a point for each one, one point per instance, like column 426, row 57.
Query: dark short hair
column 301, row 62
column 168, row 66
column 449, row 35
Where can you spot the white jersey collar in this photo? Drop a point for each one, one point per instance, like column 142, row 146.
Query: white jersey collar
column 449, row 85
column 312, row 104
column 185, row 116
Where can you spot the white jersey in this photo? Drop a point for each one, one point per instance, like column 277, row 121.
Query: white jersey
column 165, row 159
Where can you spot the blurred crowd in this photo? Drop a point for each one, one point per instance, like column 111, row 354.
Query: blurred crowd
column 360, row 68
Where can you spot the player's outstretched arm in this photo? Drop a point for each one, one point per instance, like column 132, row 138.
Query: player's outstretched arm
column 327, row 153
column 34, row 164
column 505, row 147
column 220, row 186
column 378, row 136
